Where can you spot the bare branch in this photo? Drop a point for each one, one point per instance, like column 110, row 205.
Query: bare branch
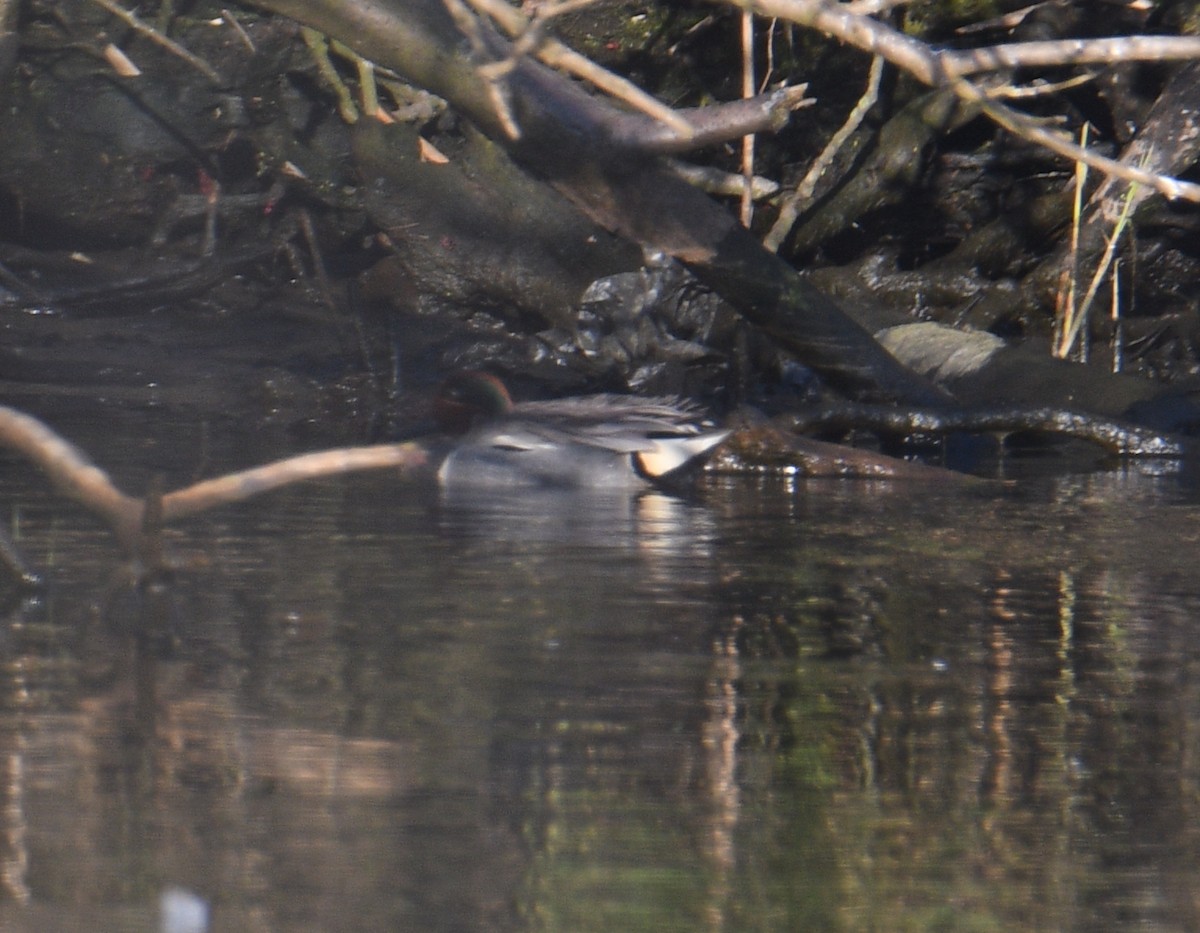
column 69, row 469
column 1009, row 20
column 790, row 209
column 233, row 21
column 1068, row 52
column 234, row 487
column 1038, row 88
column 155, row 36
column 944, row 68
column 493, row 73
column 872, row 7
column 78, row 478
column 862, row 32
column 557, row 55
column 711, row 124
column 318, row 48
column 714, row 181
column 932, row 66
column 1025, row 126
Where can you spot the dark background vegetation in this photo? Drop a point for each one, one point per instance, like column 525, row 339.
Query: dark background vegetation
column 250, row 184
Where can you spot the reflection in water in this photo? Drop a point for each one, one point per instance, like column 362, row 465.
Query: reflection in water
column 779, row 707
column 594, row 519
column 181, row 911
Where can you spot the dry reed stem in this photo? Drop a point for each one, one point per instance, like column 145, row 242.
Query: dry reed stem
column 749, row 89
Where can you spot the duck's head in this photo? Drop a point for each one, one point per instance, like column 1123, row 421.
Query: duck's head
column 468, row 398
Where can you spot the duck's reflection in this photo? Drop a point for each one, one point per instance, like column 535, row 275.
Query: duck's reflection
column 653, row 523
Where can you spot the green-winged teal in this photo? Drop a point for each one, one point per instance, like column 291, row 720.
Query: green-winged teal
column 587, row 442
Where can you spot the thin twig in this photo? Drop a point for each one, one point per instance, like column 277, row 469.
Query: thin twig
column 318, row 48
column 862, row 32
column 557, row 55
column 233, row 21
column 872, row 7
column 78, row 478
column 944, row 68
column 1058, row 52
column 1038, row 88
column 309, row 231
column 235, row 487
column 493, row 74
column 937, row 67
column 548, row 9
column 1022, row 125
column 1009, row 20
column 790, row 209
column 155, row 36
column 769, row 47
column 727, row 184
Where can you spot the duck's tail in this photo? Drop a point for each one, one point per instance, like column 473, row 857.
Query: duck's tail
column 670, row 455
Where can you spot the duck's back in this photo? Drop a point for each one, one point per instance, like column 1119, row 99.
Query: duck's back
column 595, row 441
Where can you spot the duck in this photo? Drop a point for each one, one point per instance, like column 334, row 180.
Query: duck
column 593, row 442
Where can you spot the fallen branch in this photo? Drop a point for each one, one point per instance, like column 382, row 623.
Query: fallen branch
column 70, row 470
column 1117, row 437
column 235, row 487
column 77, row 477
column 580, row 145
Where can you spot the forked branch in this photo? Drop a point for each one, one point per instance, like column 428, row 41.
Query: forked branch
column 78, row 478
column 945, row 68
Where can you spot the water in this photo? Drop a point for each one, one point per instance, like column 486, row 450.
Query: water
column 783, row 706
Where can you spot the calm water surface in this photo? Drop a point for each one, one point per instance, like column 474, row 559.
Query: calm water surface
column 781, row 706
